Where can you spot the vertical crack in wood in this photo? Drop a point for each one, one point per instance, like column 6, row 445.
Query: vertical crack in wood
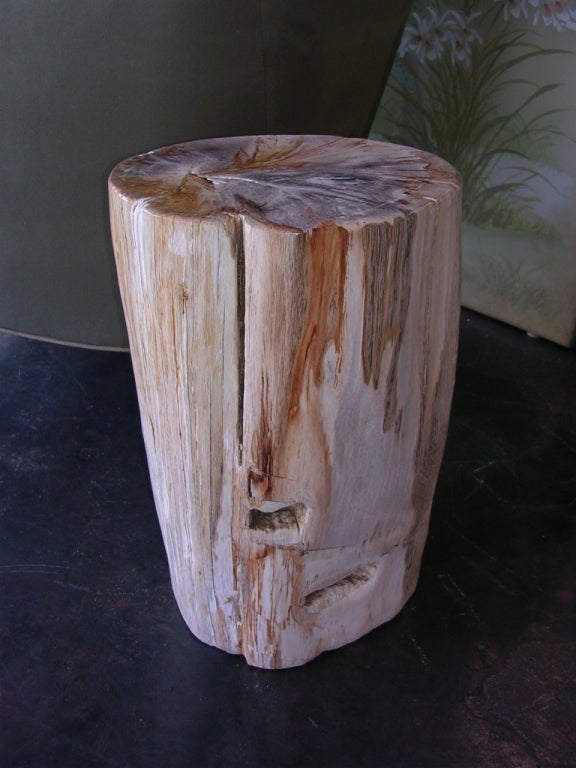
column 238, row 247
column 260, row 477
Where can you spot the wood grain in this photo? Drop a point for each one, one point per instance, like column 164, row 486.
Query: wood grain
column 292, row 304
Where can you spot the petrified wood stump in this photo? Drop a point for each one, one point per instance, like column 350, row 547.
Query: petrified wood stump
column 292, row 304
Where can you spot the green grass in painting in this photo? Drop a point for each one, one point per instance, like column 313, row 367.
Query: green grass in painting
column 458, row 110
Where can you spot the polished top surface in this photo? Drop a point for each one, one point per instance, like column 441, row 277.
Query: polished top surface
column 288, row 181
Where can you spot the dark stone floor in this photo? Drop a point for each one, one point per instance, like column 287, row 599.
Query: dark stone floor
column 98, row 669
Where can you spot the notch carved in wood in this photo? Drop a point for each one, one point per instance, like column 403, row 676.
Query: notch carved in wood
column 271, row 517
column 320, row 599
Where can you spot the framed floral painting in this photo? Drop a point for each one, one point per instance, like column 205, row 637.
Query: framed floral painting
column 490, row 87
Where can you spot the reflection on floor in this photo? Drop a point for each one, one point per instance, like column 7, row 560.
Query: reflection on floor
column 98, row 669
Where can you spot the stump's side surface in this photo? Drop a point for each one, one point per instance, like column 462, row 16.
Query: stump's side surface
column 292, row 306
column 178, row 284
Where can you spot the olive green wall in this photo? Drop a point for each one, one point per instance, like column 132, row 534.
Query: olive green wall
column 86, row 83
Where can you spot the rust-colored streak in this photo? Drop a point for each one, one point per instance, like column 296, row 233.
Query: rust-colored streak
column 326, row 253
column 386, row 249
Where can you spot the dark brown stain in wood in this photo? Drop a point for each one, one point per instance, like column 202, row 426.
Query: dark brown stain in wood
column 326, row 253
column 262, row 451
column 184, row 297
column 191, row 197
column 387, row 272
